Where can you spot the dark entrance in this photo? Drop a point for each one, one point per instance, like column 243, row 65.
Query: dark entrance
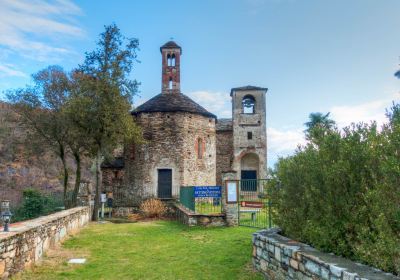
column 249, row 181
column 164, row 183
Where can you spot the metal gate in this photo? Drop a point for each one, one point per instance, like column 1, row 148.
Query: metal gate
column 255, row 205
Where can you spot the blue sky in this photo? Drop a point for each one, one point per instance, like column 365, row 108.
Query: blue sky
column 334, row 56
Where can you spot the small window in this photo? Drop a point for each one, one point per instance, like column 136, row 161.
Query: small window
column 248, row 104
column 173, row 60
column 249, row 135
column 169, row 60
column 199, row 148
column 170, row 83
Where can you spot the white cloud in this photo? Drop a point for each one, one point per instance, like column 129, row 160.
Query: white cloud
column 31, row 28
column 365, row 112
column 284, row 142
column 218, row 103
column 9, row 70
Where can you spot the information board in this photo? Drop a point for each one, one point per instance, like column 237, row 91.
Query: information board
column 252, row 204
column 207, row 191
column 231, row 190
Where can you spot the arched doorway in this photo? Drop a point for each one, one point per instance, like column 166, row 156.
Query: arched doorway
column 249, row 165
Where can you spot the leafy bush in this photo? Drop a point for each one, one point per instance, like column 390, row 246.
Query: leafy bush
column 153, row 208
column 35, row 204
column 341, row 192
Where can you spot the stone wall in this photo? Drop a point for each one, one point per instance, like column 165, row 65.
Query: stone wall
column 170, row 144
column 27, row 241
column 249, row 123
column 224, row 153
column 192, row 219
column 278, row 257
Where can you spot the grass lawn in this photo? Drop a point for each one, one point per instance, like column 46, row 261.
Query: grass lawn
column 151, row 250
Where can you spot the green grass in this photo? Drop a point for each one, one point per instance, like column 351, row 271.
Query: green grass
column 207, row 207
column 152, row 250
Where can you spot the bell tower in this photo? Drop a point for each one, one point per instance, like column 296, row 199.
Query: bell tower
column 249, row 132
column 171, row 73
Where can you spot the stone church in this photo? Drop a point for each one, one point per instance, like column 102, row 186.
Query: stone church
column 184, row 144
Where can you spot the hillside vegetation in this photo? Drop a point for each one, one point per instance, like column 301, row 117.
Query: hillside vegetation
column 25, row 164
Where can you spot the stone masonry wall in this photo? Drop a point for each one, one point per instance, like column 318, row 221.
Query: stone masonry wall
column 224, row 153
column 278, row 257
column 186, row 217
column 27, row 241
column 250, row 123
column 170, row 144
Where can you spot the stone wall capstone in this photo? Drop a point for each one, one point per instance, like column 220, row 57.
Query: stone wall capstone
column 26, row 242
column 281, row 258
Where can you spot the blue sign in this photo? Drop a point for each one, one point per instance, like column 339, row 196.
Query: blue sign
column 208, row 191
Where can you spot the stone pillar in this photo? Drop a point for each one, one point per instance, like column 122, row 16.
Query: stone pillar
column 230, row 209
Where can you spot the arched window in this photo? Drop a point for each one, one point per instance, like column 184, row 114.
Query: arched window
column 169, row 61
column 170, row 83
column 200, row 148
column 173, row 60
column 248, row 104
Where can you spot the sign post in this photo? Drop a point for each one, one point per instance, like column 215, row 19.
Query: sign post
column 103, row 199
column 231, row 191
column 230, row 198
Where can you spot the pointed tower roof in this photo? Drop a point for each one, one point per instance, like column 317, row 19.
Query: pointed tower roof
column 170, row 45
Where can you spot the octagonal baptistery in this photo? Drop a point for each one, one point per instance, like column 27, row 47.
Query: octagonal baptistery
column 179, row 148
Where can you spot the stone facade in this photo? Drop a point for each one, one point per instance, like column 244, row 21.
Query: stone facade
column 224, row 145
column 280, row 258
column 26, row 242
column 171, row 143
column 186, row 141
column 249, row 132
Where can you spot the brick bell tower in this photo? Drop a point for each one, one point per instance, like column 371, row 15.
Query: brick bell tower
column 171, row 73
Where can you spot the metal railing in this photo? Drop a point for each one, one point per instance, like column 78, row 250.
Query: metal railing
column 255, row 203
column 206, row 204
column 253, row 189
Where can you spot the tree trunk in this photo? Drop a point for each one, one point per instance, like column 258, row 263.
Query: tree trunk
column 66, row 175
column 95, row 216
column 77, row 179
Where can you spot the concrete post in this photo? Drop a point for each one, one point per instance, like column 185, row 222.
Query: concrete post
column 231, row 210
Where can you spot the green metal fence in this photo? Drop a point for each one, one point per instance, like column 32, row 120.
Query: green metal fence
column 200, row 205
column 186, row 197
column 255, row 203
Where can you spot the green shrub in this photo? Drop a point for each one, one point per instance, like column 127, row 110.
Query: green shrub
column 341, row 193
column 35, row 204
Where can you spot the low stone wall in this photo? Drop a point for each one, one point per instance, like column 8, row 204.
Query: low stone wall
column 26, row 242
column 192, row 219
column 278, row 257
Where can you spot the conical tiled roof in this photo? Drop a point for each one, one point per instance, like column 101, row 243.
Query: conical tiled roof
column 172, row 102
column 170, row 45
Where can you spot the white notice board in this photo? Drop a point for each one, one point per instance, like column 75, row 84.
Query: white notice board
column 231, row 191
